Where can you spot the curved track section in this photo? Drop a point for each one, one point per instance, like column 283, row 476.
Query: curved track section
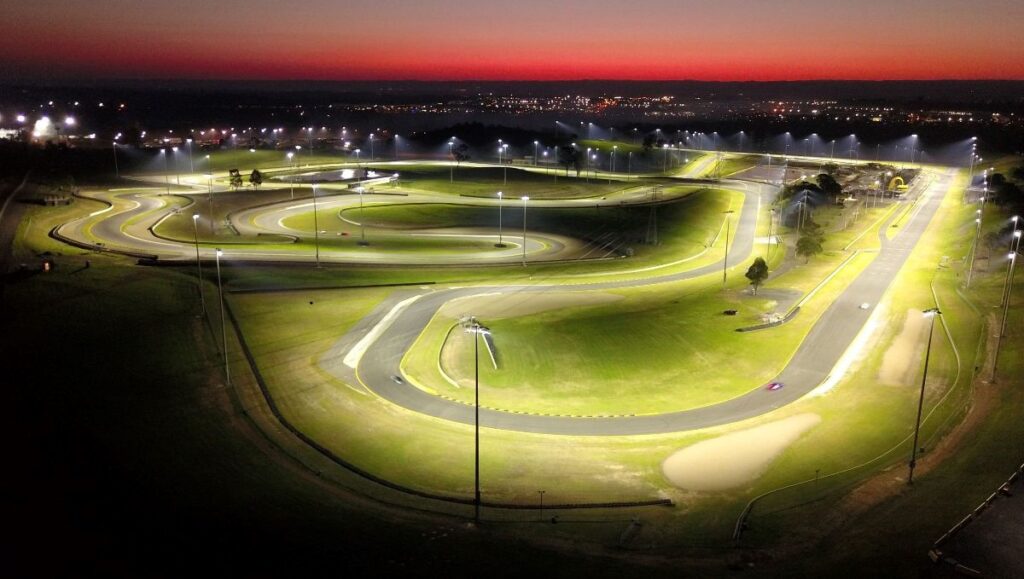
column 827, row 341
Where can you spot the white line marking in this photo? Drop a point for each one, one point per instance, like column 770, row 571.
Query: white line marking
column 356, row 353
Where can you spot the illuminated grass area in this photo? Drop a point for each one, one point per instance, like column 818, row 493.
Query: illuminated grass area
column 864, row 418
column 538, row 183
column 658, row 350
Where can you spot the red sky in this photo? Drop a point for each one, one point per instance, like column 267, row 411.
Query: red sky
column 521, row 39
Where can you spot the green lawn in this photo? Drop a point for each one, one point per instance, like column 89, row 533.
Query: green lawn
column 862, row 419
column 513, row 182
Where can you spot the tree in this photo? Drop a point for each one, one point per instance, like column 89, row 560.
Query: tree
column 1018, row 173
column 460, row 153
column 256, row 178
column 829, row 185
column 830, row 168
column 569, row 156
column 649, row 142
column 757, row 273
column 807, row 247
column 993, row 241
column 234, row 178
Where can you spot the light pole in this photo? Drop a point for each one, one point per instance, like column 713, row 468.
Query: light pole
column 771, row 224
column 223, row 322
column 1013, row 238
column 1015, row 242
column 541, row 493
column 191, row 166
column 525, row 199
column 291, row 180
column 614, row 149
column 664, row 167
column 977, row 238
column 199, row 264
column 629, row 166
column 362, row 222
column 476, row 329
column 371, row 147
column 177, row 173
column 535, row 145
column 504, row 167
column 316, row 227
column 167, row 179
column 725, row 262
column 451, row 162
column 500, row 243
column 929, row 313
column 117, row 171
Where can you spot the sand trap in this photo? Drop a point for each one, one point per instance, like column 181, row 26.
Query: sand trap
column 903, row 358
column 734, row 459
column 510, row 305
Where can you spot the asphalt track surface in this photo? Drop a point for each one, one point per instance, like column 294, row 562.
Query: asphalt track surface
column 811, row 365
column 127, row 226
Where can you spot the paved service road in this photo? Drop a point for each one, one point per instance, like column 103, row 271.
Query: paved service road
column 829, row 338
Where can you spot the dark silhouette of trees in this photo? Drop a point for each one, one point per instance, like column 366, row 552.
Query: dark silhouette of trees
column 830, row 186
column 234, row 178
column 757, row 273
column 807, row 247
column 256, row 178
column 460, row 153
column 569, row 156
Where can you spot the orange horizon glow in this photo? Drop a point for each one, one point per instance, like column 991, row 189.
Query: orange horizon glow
column 468, row 43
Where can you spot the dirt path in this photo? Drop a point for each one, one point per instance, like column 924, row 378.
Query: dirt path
column 737, row 458
column 902, row 359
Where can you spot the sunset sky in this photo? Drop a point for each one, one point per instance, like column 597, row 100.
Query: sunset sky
column 513, row 39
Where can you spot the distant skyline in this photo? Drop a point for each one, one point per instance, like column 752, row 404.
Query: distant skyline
column 728, row 40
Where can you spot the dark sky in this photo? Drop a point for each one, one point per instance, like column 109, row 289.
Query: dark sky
column 513, row 39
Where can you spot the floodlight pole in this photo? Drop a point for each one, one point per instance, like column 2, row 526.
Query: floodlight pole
column 1006, row 303
column 362, row 221
column 932, row 313
column 525, row 199
column 167, row 179
column 500, row 241
column 316, row 227
column 223, row 323
column 476, row 421
column 199, row 264
column 771, row 224
column 725, row 262
column 1014, row 238
column 977, row 238
column 117, row 171
column 209, row 195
